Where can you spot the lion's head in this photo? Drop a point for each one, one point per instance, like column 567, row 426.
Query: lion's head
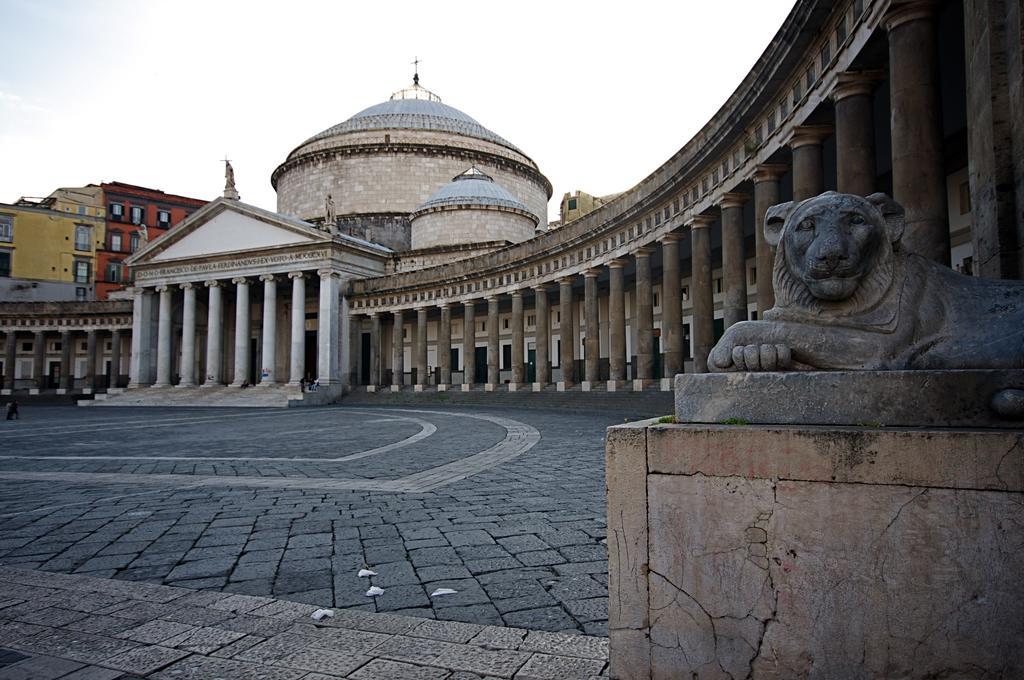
column 833, row 250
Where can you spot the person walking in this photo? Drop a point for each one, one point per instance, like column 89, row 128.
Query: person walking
column 12, row 410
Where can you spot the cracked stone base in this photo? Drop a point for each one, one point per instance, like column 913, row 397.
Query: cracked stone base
column 788, row 551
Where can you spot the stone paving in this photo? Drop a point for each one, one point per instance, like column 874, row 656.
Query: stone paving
column 507, row 508
column 83, row 628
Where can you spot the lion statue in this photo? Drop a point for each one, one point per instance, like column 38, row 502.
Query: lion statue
column 848, row 297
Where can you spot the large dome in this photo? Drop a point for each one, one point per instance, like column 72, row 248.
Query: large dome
column 383, row 163
column 414, row 108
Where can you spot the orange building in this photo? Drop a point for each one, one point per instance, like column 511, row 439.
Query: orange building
column 134, row 214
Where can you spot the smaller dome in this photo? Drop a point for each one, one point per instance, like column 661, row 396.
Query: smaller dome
column 472, row 187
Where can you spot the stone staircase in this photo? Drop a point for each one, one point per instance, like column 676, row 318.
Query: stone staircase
column 278, row 396
column 644, row 404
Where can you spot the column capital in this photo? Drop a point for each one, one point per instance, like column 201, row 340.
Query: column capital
column 540, row 288
column 187, row 285
column 769, row 172
column 212, row 283
column 671, row 237
column 853, row 83
column 493, row 298
column 374, row 314
column 701, row 221
column 163, row 288
column 444, row 305
column 733, row 199
column 805, row 135
column 592, row 273
column 326, row 274
column 469, row 303
column 517, row 293
column 566, row 280
column 423, row 309
column 900, row 13
column 617, row 263
column 138, row 291
column 239, row 280
column 296, row 275
column 643, row 251
column 268, row 277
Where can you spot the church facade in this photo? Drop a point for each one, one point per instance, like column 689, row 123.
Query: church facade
column 408, row 250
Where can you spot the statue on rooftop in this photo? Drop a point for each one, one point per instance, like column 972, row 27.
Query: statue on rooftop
column 849, row 297
column 330, row 216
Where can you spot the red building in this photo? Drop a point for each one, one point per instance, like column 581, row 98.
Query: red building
column 129, row 209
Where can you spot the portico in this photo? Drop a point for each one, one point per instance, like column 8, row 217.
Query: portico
column 239, row 297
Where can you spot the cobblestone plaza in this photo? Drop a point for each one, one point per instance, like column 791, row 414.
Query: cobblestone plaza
column 506, row 508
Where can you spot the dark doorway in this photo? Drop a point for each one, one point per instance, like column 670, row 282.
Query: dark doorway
column 108, row 379
column 364, row 363
column 453, row 357
column 480, row 354
column 506, row 357
column 531, row 365
column 311, row 369
column 255, row 359
column 719, row 330
column 53, row 375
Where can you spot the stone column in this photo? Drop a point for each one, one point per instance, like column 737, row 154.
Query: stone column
column 115, row 357
column 67, row 352
column 138, row 369
column 617, row 323
column 163, row 338
column 375, row 349
column 90, row 360
column 766, row 194
column 542, row 338
column 468, row 344
column 327, row 333
column 567, row 353
column 808, row 172
column 10, row 356
column 297, row 358
column 671, row 306
column 421, row 347
column 855, row 132
column 644, row 316
column 734, row 259
column 188, row 336
column 269, row 332
column 918, row 162
column 703, row 328
column 444, row 346
column 493, row 345
column 592, row 361
column 243, row 322
column 39, row 359
column 995, row 135
column 397, row 350
column 518, row 339
column 214, row 335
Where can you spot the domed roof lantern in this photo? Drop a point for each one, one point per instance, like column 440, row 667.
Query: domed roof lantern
column 416, row 91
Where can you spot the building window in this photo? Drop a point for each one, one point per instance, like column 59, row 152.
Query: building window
column 116, row 241
column 5, row 263
column 704, row 185
column 531, row 320
column 714, row 177
column 82, row 271
column 694, row 195
column 826, row 56
column 809, row 78
column 657, row 219
column 771, row 122
column 796, row 94
column 675, row 206
column 135, row 241
column 7, row 228
column 81, row 294
column 163, row 218
column 83, row 237
column 572, row 204
column 138, row 214
column 116, row 211
column 666, row 212
column 114, row 272
column 841, row 30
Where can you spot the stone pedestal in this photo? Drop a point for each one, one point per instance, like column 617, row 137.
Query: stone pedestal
column 795, row 551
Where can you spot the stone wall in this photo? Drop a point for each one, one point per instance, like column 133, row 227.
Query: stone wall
column 470, row 225
column 387, row 178
column 786, row 552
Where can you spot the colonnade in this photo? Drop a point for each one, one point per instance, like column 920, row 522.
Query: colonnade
column 160, row 373
column 63, row 378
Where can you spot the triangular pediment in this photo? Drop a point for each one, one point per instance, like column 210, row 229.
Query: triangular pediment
column 226, row 226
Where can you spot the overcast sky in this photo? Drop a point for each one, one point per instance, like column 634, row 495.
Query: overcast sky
column 156, row 92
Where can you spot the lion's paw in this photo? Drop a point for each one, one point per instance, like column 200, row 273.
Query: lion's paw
column 761, row 357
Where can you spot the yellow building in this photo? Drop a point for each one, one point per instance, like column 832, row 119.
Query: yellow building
column 48, row 246
column 578, row 203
